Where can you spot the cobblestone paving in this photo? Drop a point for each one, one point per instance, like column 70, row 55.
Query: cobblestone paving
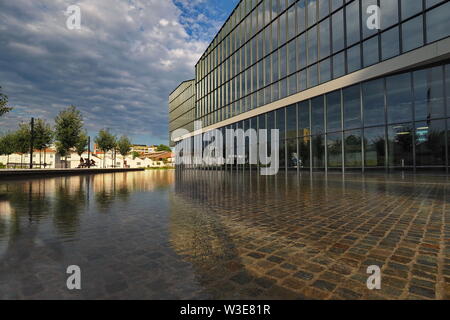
column 300, row 238
column 216, row 235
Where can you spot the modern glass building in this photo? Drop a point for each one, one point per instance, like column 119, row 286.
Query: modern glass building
column 344, row 96
column 182, row 108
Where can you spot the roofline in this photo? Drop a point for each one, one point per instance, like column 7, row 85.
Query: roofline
column 180, row 85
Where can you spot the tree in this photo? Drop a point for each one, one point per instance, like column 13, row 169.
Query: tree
column 43, row 137
column 3, row 103
column 106, row 142
column 7, row 145
column 135, row 154
column 124, row 146
column 163, row 147
column 82, row 143
column 68, row 127
column 21, row 140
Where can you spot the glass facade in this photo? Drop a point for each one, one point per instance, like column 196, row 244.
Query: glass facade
column 270, row 49
column 398, row 122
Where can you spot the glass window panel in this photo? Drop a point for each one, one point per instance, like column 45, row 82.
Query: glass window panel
column 352, row 19
column 370, row 52
column 275, row 91
column 389, row 13
column 335, row 4
column 304, row 160
column 334, row 120
column 430, row 3
column 373, row 102
column 400, row 145
column 318, row 152
column 324, row 34
column 267, row 70
column 301, row 16
column 291, row 121
column 292, row 84
column 339, row 65
column 438, row 23
column 292, row 155
column 301, row 78
column 275, row 67
column 399, row 98
column 334, row 150
column 312, row 12
column 390, row 43
column 412, row 34
column 429, row 93
column 353, row 59
column 374, row 147
column 312, row 45
column 303, row 119
column 365, row 16
column 301, row 50
column 275, row 35
column 268, row 94
column 283, row 28
column 324, row 8
column 292, row 57
column 337, row 29
column 317, row 115
column 410, row 8
column 312, row 76
column 292, row 23
column 352, row 107
column 283, row 62
column 430, row 143
column 325, row 70
column 353, row 149
column 283, row 88
column 281, row 122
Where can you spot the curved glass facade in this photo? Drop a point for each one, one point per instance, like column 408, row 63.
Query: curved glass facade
column 270, row 49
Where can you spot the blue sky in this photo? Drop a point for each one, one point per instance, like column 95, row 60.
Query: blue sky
column 118, row 69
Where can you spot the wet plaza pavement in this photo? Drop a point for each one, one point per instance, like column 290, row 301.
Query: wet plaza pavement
column 222, row 235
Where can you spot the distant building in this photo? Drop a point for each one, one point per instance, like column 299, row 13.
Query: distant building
column 182, row 108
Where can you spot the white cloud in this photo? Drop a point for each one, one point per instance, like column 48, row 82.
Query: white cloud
column 118, row 69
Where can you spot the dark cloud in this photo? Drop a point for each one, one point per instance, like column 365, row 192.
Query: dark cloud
column 118, row 69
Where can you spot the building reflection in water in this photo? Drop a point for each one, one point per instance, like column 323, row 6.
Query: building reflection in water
column 293, row 236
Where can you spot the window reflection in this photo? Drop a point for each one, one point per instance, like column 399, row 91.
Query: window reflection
column 429, row 94
column 373, row 102
column 334, row 150
column 374, row 147
column 399, row 98
column 353, row 147
column 430, row 143
column 352, row 107
column 400, row 144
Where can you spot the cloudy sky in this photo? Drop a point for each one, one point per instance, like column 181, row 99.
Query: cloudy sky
column 118, row 69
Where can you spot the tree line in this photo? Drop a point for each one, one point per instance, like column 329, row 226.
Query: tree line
column 67, row 134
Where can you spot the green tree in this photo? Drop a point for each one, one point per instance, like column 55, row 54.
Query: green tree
column 43, row 137
column 124, row 146
column 163, row 147
column 106, row 141
column 4, row 103
column 68, row 127
column 82, row 143
column 21, row 140
column 135, row 154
